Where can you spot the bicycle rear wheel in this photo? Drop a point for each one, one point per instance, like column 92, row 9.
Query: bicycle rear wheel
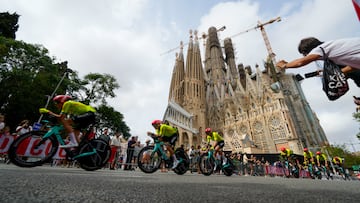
column 30, row 149
column 95, row 161
column 228, row 169
column 149, row 160
column 184, row 164
column 206, row 164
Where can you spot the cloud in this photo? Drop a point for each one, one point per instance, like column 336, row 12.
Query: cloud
column 125, row 38
column 310, row 18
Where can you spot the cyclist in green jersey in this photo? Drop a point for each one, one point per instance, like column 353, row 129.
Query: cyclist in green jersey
column 168, row 135
column 321, row 159
column 74, row 116
column 308, row 157
column 219, row 142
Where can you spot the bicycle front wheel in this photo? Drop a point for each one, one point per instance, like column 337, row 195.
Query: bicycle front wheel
column 206, row 164
column 31, row 149
column 149, row 160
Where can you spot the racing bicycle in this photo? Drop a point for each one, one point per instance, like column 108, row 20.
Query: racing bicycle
column 151, row 157
column 38, row 147
column 208, row 163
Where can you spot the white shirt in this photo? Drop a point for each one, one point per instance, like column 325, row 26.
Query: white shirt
column 20, row 130
column 342, row 51
column 115, row 141
column 2, row 125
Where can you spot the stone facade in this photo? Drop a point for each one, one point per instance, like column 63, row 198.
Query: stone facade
column 238, row 101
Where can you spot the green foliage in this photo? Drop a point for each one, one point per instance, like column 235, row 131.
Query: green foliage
column 28, row 77
column 112, row 119
column 8, row 25
column 357, row 118
column 341, row 151
column 98, row 87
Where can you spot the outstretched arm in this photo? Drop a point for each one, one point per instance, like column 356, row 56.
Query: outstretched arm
column 298, row 62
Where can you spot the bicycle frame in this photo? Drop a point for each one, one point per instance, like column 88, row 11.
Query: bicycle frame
column 55, row 131
column 158, row 148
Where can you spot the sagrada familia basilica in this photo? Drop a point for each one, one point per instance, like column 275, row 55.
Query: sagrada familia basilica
column 239, row 101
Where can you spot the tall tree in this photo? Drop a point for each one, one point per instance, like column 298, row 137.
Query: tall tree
column 110, row 118
column 97, row 87
column 27, row 73
column 28, row 76
column 357, row 118
column 9, row 25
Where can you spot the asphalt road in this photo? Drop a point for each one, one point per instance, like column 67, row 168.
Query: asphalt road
column 56, row 184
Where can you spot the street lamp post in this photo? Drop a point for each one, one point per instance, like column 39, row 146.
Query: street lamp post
column 37, row 124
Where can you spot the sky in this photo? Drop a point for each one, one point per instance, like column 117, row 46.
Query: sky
column 131, row 39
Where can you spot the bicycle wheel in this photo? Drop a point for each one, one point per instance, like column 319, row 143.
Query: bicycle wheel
column 95, row 161
column 228, row 169
column 206, row 164
column 184, row 164
column 149, row 160
column 30, row 149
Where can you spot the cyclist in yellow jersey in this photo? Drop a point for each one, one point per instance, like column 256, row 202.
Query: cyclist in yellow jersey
column 81, row 115
column 321, row 159
column 219, row 142
column 308, row 157
column 168, row 135
column 337, row 161
column 286, row 154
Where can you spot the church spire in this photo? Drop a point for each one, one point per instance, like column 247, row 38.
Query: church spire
column 176, row 87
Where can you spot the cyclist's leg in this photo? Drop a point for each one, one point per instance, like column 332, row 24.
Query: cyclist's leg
column 67, row 123
column 81, row 122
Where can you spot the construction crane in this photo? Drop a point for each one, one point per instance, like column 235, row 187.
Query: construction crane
column 266, row 39
column 203, row 36
column 258, row 26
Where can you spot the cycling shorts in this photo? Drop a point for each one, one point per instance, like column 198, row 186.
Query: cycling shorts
column 84, row 120
column 172, row 139
column 220, row 144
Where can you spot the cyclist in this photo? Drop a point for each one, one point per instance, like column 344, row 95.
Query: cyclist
column 308, row 157
column 321, row 161
column 286, row 154
column 219, row 142
column 168, row 135
column 74, row 116
column 338, row 162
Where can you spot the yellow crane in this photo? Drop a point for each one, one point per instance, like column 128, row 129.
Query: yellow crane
column 265, row 37
column 203, row 36
column 258, row 26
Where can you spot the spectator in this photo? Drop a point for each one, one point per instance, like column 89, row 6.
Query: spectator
column 147, row 143
column 115, row 144
column 105, row 135
column 23, row 127
column 245, row 164
column 197, row 158
column 129, row 153
column 240, row 158
column 137, row 149
column 191, row 154
column 2, row 123
column 251, row 163
column 344, row 52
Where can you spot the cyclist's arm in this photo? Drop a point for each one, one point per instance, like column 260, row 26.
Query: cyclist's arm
column 56, row 115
